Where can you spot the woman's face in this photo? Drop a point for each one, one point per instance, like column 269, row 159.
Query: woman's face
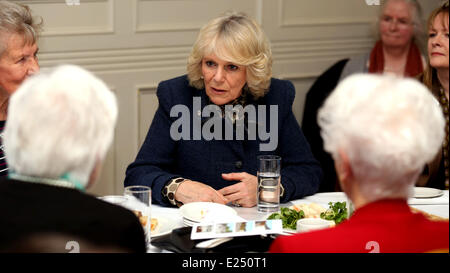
column 223, row 80
column 396, row 27
column 17, row 62
column 438, row 42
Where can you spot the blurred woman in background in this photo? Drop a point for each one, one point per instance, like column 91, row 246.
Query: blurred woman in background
column 435, row 77
column 399, row 35
column 398, row 50
column 19, row 34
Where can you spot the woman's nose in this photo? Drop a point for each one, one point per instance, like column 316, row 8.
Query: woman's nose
column 219, row 75
column 33, row 67
column 435, row 41
column 393, row 25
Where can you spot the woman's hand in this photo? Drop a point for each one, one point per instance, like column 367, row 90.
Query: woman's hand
column 193, row 191
column 242, row 193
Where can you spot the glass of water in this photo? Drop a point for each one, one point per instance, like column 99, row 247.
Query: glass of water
column 139, row 201
column 268, row 195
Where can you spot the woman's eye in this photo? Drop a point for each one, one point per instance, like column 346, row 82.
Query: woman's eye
column 232, row 67
column 209, row 63
column 431, row 35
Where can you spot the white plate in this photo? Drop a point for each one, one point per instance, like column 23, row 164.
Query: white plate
column 199, row 211
column 189, row 223
column 424, row 192
column 325, row 197
column 165, row 226
column 289, row 231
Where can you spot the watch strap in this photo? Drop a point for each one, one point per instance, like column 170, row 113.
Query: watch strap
column 170, row 189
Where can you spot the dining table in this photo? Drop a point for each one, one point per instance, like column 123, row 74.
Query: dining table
column 171, row 218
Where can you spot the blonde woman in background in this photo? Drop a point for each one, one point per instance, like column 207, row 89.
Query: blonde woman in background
column 435, row 77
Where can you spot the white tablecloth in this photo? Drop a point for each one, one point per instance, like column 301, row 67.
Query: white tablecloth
column 438, row 206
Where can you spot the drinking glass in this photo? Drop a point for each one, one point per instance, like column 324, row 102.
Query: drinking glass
column 139, row 201
column 268, row 195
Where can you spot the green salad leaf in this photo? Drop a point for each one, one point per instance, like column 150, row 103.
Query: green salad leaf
column 288, row 216
column 336, row 212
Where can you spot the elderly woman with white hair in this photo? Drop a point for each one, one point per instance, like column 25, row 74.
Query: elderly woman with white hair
column 380, row 131
column 60, row 126
column 228, row 85
column 19, row 33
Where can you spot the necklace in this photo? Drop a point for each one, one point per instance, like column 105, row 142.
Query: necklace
column 234, row 115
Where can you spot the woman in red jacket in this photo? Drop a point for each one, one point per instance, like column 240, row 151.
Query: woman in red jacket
column 381, row 131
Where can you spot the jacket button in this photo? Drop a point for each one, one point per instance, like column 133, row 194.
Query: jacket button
column 238, row 164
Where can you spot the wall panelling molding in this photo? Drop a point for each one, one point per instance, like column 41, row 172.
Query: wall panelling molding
column 134, row 45
column 90, row 17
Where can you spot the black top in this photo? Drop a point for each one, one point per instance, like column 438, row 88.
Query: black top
column 315, row 97
column 30, row 208
column 162, row 158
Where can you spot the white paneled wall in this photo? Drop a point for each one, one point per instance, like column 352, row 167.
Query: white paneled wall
column 134, row 44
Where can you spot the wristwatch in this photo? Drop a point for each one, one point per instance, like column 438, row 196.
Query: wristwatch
column 170, row 189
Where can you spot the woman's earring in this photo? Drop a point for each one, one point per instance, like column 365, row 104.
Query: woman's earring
column 201, row 77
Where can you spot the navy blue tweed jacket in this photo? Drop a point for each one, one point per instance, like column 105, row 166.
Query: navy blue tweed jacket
column 161, row 158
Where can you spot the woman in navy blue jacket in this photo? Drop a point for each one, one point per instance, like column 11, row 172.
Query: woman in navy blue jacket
column 212, row 123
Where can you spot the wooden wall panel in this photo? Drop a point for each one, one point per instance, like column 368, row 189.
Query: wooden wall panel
column 133, row 45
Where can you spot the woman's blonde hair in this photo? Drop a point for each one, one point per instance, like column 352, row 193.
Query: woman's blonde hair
column 236, row 38
column 430, row 74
